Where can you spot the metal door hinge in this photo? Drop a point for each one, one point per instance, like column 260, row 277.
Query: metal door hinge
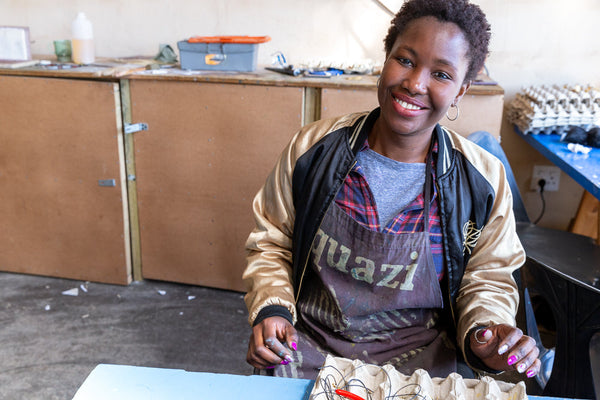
column 132, row 128
column 107, row 182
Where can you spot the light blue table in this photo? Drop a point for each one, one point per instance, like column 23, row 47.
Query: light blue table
column 123, row 382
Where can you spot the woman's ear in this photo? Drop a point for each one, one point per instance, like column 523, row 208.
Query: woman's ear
column 463, row 89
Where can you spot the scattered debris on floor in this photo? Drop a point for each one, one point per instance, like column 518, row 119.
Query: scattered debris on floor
column 71, row 292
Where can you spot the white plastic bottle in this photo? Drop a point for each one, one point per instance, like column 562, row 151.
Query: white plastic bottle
column 83, row 40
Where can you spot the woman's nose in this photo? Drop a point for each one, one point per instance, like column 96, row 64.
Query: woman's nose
column 416, row 82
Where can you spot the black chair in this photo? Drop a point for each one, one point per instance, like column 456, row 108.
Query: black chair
column 595, row 361
column 562, row 271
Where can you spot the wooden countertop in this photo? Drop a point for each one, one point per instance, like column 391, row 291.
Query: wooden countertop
column 109, row 69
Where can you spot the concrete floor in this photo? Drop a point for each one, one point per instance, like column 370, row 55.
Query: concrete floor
column 50, row 342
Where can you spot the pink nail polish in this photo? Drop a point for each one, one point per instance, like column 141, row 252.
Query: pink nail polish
column 294, row 346
column 270, row 367
column 512, row 360
column 284, row 362
column 530, row 373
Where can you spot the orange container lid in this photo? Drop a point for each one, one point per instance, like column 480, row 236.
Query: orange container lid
column 229, row 39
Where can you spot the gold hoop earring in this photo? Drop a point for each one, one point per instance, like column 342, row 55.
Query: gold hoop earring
column 457, row 113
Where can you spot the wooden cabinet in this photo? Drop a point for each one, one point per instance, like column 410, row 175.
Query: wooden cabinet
column 63, row 192
column 207, row 151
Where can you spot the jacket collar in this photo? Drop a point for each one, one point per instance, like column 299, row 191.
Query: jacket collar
column 444, row 160
column 361, row 130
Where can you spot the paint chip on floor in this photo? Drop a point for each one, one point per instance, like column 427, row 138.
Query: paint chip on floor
column 71, row 292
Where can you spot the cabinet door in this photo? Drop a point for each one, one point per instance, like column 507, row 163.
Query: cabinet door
column 60, row 144
column 208, row 149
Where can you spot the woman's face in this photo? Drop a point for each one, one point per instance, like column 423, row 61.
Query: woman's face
column 422, row 76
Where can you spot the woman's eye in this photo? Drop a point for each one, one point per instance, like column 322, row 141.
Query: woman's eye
column 442, row 75
column 404, row 61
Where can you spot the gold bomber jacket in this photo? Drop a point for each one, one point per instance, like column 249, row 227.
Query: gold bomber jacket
column 481, row 247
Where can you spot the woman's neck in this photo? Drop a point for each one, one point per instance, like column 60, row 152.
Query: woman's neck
column 403, row 148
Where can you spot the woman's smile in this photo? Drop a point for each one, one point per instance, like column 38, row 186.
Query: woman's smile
column 407, row 104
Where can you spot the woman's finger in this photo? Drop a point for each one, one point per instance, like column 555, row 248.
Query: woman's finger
column 523, row 355
column 482, row 336
column 291, row 337
column 283, row 355
column 510, row 340
column 534, row 369
column 253, row 356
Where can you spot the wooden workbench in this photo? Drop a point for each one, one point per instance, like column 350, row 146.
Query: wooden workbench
column 180, row 207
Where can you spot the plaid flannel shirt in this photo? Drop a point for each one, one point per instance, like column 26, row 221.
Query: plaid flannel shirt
column 356, row 199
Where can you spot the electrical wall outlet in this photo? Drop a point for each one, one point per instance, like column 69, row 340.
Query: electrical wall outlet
column 549, row 173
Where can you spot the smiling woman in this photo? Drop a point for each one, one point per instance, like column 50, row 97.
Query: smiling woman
column 384, row 237
column 423, row 75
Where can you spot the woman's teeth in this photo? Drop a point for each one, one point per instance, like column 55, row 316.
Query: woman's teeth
column 407, row 105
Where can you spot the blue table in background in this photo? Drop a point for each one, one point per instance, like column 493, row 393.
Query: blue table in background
column 583, row 168
column 122, row 382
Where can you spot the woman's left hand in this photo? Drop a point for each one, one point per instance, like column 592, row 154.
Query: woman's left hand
column 504, row 347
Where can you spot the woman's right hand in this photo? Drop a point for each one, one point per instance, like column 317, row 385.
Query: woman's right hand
column 270, row 343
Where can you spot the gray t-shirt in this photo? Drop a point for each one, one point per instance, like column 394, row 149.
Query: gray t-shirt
column 394, row 184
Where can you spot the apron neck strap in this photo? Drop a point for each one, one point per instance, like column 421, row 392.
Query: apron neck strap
column 427, row 192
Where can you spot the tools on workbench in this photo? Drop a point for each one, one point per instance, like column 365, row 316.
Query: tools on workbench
column 315, row 73
column 319, row 69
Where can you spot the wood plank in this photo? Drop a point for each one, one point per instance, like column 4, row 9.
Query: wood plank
column 132, row 209
column 59, row 139
column 207, row 151
column 587, row 220
column 123, row 181
column 311, row 105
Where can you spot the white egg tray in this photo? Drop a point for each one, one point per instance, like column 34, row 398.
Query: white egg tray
column 548, row 109
column 372, row 382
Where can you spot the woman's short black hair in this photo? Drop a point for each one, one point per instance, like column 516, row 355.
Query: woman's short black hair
column 468, row 17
